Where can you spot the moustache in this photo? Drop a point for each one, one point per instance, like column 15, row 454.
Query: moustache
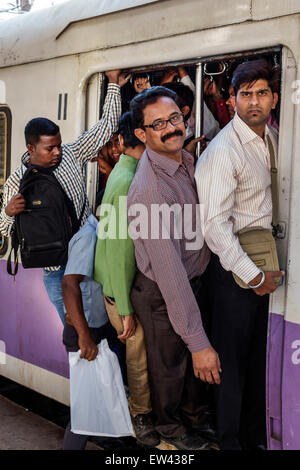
column 168, row 136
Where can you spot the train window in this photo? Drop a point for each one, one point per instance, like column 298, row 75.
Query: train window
column 5, row 140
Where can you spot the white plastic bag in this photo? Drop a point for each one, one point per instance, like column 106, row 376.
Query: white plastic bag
column 99, row 405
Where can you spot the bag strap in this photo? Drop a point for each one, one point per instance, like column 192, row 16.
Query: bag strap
column 13, row 251
column 274, row 186
column 76, row 222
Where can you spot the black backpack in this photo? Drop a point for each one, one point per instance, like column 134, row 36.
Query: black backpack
column 44, row 229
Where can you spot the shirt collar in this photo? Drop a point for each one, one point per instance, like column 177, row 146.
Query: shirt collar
column 128, row 162
column 92, row 221
column 25, row 158
column 167, row 164
column 243, row 130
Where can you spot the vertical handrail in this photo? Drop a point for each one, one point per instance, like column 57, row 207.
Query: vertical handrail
column 199, row 104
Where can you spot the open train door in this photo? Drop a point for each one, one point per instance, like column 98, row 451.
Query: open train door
column 283, row 354
column 5, row 153
column 95, row 95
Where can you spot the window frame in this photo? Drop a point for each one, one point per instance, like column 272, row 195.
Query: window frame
column 5, row 110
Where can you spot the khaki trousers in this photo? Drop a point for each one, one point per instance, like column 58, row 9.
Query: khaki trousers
column 136, row 361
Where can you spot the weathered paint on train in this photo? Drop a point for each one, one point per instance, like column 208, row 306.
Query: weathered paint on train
column 63, row 50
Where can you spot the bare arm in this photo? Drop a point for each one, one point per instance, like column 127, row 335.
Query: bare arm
column 13, row 203
column 73, row 303
column 15, row 206
column 270, row 284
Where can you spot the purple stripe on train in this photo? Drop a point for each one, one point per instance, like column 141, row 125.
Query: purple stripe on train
column 283, row 384
column 29, row 323
column 32, row 331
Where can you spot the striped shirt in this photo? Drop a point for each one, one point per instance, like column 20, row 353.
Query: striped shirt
column 234, row 188
column 70, row 172
column 167, row 261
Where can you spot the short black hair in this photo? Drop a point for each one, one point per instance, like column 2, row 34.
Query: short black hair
column 148, row 96
column 253, row 70
column 126, row 129
column 135, row 76
column 185, row 96
column 37, row 127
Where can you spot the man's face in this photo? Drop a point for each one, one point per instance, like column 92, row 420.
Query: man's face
column 113, row 148
column 47, row 151
column 230, row 103
column 167, row 141
column 141, row 84
column 254, row 102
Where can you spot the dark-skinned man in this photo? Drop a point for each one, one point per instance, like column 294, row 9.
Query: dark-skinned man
column 67, row 162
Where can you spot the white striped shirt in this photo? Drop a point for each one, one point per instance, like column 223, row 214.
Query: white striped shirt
column 234, row 187
column 75, row 155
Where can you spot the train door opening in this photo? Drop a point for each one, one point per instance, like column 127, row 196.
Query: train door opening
column 5, row 155
column 207, row 82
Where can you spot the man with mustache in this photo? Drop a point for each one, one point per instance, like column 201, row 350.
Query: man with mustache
column 168, row 283
column 234, row 186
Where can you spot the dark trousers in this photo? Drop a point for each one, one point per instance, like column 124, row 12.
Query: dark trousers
column 238, row 332
column 178, row 398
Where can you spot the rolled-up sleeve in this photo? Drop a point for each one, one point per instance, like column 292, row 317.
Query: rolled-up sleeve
column 6, row 222
column 90, row 142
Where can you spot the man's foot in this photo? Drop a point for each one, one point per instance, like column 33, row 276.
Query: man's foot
column 206, row 428
column 206, row 431
column 188, row 442
column 144, row 431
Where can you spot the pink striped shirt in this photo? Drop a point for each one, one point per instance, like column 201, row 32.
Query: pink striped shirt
column 167, row 261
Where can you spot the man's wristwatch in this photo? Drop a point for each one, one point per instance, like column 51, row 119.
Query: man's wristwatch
column 260, row 282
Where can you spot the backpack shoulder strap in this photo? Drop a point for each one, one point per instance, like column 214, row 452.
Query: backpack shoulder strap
column 76, row 222
column 13, row 252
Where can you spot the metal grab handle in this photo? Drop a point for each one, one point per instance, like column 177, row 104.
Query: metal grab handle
column 214, row 73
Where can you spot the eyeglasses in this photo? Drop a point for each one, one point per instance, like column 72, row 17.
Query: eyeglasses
column 162, row 123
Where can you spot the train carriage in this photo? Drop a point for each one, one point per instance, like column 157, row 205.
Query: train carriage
column 52, row 64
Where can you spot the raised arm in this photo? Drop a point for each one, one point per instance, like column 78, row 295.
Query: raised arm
column 88, row 144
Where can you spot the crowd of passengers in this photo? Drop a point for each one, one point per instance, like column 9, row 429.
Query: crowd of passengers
column 195, row 341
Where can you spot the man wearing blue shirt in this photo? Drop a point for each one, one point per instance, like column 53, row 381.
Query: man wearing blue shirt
column 86, row 320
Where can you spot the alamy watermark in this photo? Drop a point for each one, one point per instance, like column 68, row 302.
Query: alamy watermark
column 153, row 221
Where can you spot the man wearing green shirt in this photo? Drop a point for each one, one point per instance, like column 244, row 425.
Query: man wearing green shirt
column 115, row 269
